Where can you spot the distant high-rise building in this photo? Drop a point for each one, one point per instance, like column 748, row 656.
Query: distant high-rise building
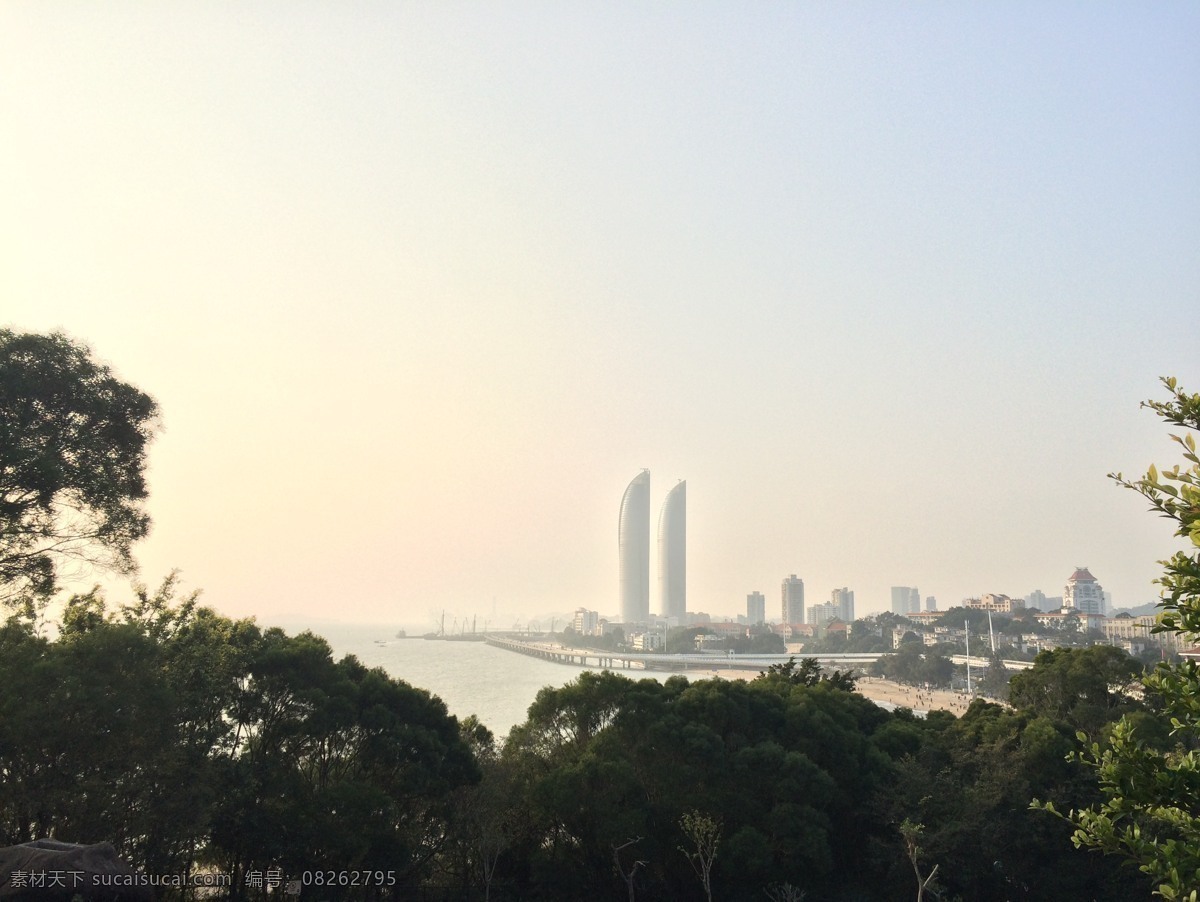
column 930, row 603
column 586, row 623
column 633, row 548
column 793, row 599
column 905, row 600
column 672, row 554
column 756, row 608
column 1083, row 593
column 1037, row 599
column 843, row 600
column 820, row 614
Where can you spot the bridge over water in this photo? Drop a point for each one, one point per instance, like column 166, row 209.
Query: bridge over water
column 610, row 660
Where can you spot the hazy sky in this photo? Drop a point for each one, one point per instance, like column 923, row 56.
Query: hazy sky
column 421, row 286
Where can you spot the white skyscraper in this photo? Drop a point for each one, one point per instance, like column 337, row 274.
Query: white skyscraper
column 633, row 549
column 672, row 554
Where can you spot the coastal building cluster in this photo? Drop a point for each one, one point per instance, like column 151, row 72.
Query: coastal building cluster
column 1083, row 604
column 1125, row 630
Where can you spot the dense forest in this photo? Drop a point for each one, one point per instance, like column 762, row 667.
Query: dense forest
column 193, row 741
column 198, row 744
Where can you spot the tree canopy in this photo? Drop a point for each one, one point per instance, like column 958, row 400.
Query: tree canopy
column 194, row 742
column 73, row 441
column 189, row 740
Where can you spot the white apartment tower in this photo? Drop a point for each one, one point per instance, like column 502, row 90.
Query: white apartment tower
column 905, row 600
column 820, row 614
column 756, row 608
column 843, row 600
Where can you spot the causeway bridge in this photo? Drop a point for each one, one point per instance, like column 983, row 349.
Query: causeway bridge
column 549, row 650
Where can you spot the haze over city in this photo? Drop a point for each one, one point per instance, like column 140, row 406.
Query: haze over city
column 421, row 288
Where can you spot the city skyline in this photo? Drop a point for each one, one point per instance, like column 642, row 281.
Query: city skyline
column 1082, row 592
column 415, row 288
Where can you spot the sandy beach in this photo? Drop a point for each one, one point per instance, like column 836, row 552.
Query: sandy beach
column 881, row 690
column 888, row 691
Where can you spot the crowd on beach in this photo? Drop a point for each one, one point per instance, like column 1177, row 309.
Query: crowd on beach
column 917, row 698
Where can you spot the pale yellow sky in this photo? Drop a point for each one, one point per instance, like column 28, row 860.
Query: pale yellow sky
column 421, row 287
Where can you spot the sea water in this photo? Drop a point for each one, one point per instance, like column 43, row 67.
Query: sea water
column 495, row 685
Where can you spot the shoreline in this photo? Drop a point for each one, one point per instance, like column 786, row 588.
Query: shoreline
column 878, row 689
column 889, row 692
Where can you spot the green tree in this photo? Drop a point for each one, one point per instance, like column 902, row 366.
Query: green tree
column 1151, row 809
column 90, row 745
column 681, row 640
column 967, row 780
column 915, row 664
column 790, row 769
column 73, row 443
column 911, row 834
column 956, row 617
column 995, row 679
column 703, row 834
column 935, row 669
column 1088, row 688
column 335, row 767
column 807, row 673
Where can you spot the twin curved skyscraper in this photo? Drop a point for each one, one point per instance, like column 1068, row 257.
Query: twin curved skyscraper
column 633, row 548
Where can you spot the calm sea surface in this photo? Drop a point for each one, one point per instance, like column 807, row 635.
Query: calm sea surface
column 496, row 686
column 470, row 677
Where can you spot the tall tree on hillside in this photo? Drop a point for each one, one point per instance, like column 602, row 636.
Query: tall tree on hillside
column 1089, row 688
column 1151, row 812
column 73, row 443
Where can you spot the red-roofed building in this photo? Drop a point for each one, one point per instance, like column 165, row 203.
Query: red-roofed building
column 1083, row 593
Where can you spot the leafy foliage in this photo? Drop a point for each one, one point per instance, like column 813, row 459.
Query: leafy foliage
column 703, row 833
column 788, row 769
column 186, row 739
column 911, row 833
column 967, row 781
column 1151, row 809
column 916, row 665
column 73, row 443
column 807, row 673
column 1088, row 688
